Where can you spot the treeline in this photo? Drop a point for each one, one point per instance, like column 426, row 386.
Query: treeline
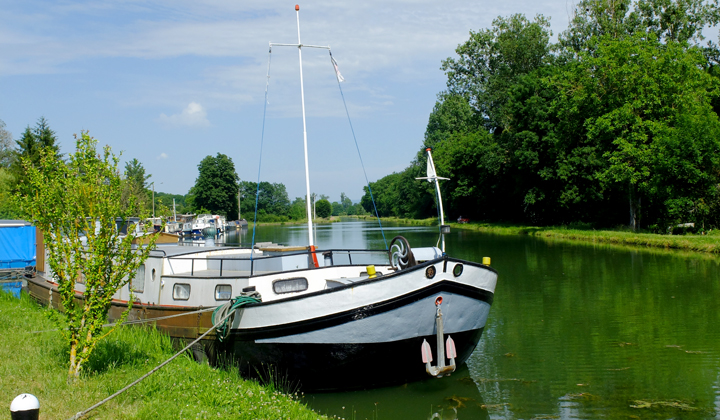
column 614, row 124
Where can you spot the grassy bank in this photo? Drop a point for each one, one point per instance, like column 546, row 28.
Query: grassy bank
column 698, row 243
column 36, row 364
column 709, row 243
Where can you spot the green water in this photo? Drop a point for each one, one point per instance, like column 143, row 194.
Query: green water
column 576, row 331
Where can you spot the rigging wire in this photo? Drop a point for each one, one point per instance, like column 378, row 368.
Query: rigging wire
column 358, row 150
column 262, row 138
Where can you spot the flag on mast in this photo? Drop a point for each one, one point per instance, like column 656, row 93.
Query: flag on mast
column 431, row 174
column 337, row 71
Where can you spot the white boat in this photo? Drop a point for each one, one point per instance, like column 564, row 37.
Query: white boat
column 204, row 224
column 328, row 319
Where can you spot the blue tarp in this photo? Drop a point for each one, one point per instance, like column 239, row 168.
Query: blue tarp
column 17, row 246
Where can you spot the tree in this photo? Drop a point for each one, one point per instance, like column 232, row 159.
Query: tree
column 491, row 60
column 648, row 109
column 272, row 199
column 30, row 145
column 345, row 201
column 337, row 209
column 298, row 210
column 135, row 185
column 679, row 21
column 6, row 146
column 76, row 206
column 323, row 208
column 216, row 187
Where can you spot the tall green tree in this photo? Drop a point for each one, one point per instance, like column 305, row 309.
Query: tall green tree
column 680, row 21
column 216, row 187
column 490, row 61
column 135, row 185
column 31, row 143
column 76, row 204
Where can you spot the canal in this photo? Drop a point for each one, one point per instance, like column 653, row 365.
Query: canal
column 576, row 331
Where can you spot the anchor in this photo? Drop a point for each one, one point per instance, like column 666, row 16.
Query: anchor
column 449, row 349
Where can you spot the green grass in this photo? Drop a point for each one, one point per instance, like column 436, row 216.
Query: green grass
column 37, row 364
column 709, row 243
column 689, row 242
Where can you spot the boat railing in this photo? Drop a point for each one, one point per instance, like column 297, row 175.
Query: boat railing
column 242, row 265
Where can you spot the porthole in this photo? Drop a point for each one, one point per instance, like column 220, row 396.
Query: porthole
column 181, row 291
column 223, row 292
column 457, row 270
column 153, row 274
column 298, row 284
column 430, row 272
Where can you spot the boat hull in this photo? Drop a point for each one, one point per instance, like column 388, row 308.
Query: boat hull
column 368, row 345
column 333, row 366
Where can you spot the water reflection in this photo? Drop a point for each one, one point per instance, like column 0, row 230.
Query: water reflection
column 449, row 398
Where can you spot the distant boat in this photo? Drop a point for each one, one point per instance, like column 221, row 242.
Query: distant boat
column 204, row 225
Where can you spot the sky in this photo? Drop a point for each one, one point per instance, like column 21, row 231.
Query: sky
column 170, row 82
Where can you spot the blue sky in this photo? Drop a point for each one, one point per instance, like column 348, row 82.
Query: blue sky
column 170, row 82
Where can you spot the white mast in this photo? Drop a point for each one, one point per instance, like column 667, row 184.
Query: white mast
column 302, row 99
column 299, row 46
column 432, row 177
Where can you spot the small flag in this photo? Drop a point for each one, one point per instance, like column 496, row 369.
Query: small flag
column 337, row 71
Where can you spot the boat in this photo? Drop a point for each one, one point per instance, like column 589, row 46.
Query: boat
column 324, row 319
column 204, row 224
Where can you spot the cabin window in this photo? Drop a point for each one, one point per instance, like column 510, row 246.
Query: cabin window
column 298, row 284
column 223, row 292
column 138, row 283
column 181, row 291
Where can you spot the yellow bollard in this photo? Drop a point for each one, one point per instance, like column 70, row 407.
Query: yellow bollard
column 371, row 271
column 486, row 260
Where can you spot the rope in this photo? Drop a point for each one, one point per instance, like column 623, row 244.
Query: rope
column 224, row 313
column 223, row 327
column 262, row 139
column 158, row 367
column 359, row 155
column 138, row 321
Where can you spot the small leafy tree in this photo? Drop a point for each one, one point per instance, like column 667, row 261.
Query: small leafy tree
column 323, row 208
column 76, row 205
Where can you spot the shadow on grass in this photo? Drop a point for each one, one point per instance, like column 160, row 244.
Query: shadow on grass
column 110, row 354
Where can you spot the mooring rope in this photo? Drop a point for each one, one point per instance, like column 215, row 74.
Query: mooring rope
column 226, row 316
column 223, row 328
column 352, row 130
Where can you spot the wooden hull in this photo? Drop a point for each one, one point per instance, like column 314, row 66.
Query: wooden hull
column 189, row 326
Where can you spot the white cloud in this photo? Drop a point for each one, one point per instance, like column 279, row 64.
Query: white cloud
column 162, row 156
column 194, row 115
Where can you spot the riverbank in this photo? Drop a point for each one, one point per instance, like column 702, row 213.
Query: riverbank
column 709, row 243
column 37, row 364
